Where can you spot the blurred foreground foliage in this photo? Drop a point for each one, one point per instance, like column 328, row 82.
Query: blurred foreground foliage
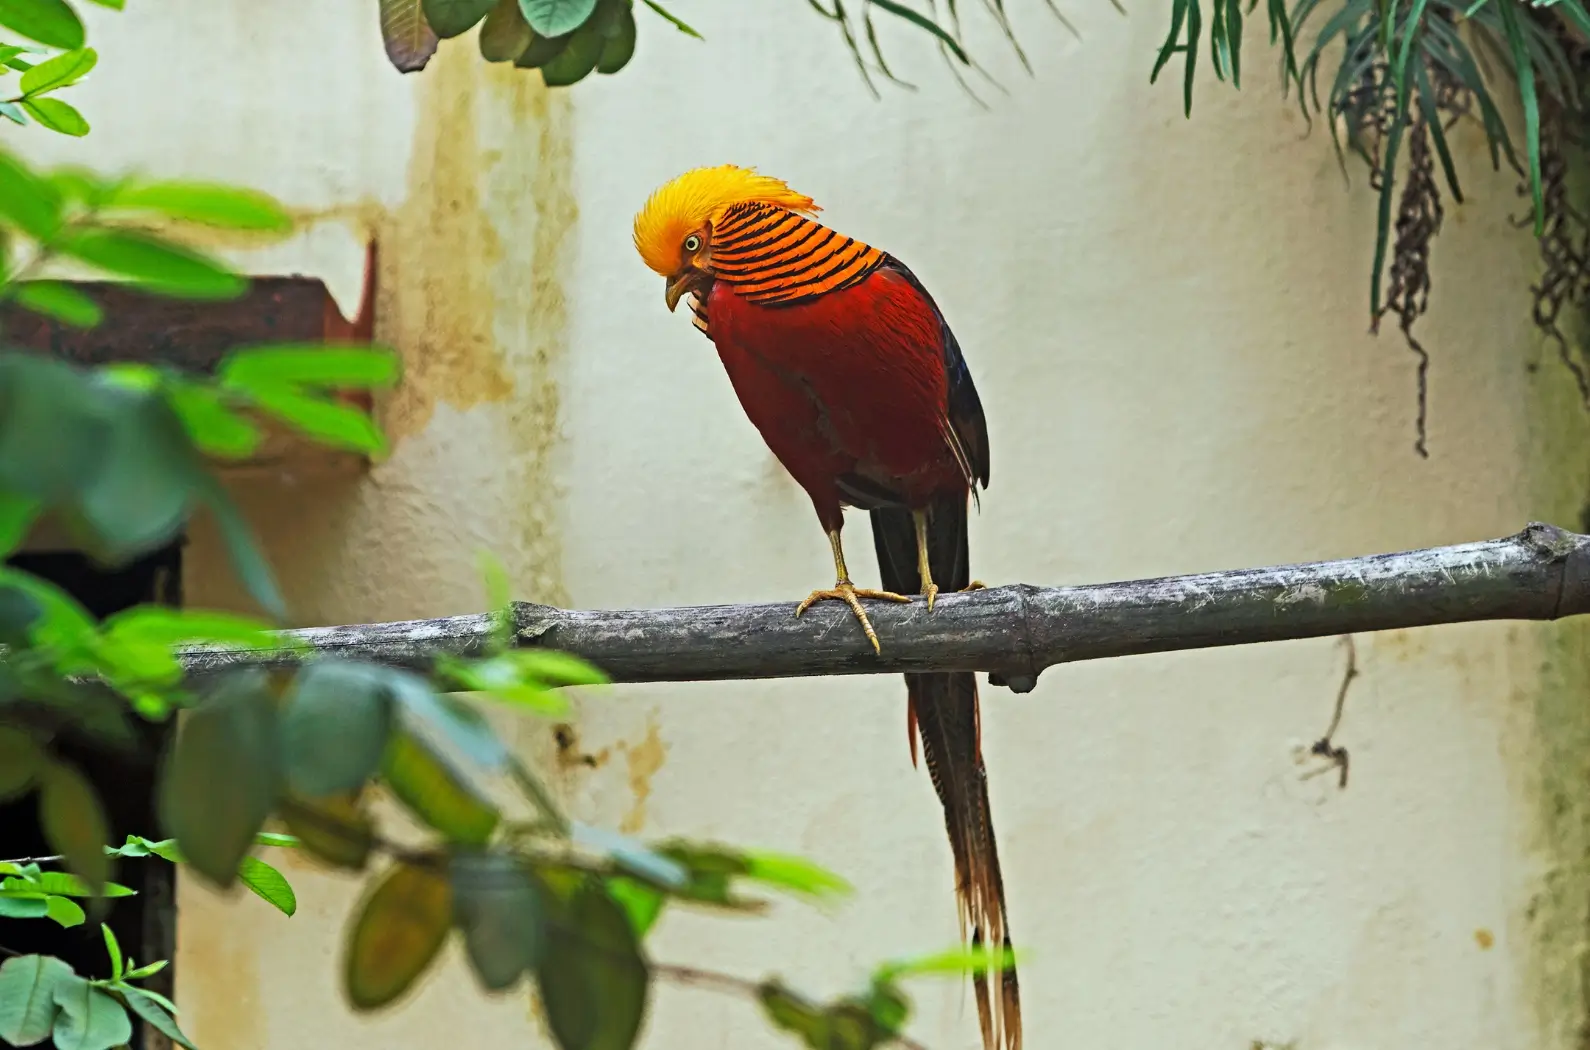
column 122, row 457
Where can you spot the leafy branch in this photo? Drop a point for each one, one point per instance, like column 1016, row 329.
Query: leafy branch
column 1406, row 72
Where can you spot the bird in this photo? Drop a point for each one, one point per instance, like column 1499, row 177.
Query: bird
column 846, row 366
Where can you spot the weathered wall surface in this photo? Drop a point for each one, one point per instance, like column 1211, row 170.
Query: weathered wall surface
column 1166, row 321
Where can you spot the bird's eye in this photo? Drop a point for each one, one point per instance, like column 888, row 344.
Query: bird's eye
column 692, row 243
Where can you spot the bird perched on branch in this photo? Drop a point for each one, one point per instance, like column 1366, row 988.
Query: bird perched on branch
column 844, row 363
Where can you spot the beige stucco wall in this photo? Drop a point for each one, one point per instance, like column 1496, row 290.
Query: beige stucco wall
column 1166, row 321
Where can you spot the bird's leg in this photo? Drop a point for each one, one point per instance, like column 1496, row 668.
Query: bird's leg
column 849, row 593
column 924, row 569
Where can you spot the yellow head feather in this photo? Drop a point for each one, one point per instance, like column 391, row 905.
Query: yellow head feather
column 681, row 207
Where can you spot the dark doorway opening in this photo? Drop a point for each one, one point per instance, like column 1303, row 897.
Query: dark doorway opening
column 144, row 924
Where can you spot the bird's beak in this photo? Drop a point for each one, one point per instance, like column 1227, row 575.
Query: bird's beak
column 677, row 286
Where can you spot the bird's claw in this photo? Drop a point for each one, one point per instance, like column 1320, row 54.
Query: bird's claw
column 851, row 595
column 931, row 591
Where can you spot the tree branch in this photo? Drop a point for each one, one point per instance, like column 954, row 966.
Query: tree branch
column 1013, row 632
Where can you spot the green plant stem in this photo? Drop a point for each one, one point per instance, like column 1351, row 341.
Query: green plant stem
column 728, row 984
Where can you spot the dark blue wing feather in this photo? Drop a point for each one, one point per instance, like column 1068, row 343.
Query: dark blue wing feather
column 965, row 407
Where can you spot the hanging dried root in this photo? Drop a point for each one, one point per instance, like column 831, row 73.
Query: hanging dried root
column 1565, row 257
column 1419, row 215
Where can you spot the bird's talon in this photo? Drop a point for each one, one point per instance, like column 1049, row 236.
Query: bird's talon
column 851, row 595
column 975, row 585
column 931, row 592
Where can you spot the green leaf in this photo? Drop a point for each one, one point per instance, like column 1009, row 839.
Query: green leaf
column 541, row 50
column 24, row 905
column 793, row 1013
column 578, row 57
column 273, row 838
column 88, row 1019
column 223, row 775
column 796, row 874
column 113, row 950
column 133, row 847
column 1194, row 31
column 499, row 589
column 505, row 34
column 1233, row 40
column 328, row 421
column 631, row 855
column 140, row 497
column 463, row 727
column 17, row 515
column 241, row 546
column 167, row 627
column 20, row 762
column 154, row 265
column 224, row 207
column 555, row 669
column 211, row 424
column 410, row 41
column 400, row 928
column 51, row 22
column 618, row 45
column 145, row 1006
column 19, row 612
column 425, row 783
column 711, row 867
column 889, row 1007
column 450, row 18
column 956, row 961
column 269, row 884
column 1524, row 67
column 593, row 981
column 672, row 18
column 335, row 728
column 65, row 911
column 497, row 906
column 556, row 18
column 1178, row 17
column 64, row 884
column 502, row 677
column 335, row 830
column 1577, row 14
column 74, row 823
column 26, row 200
column 326, row 367
column 59, row 300
column 13, row 112
column 1219, row 44
column 27, row 997
column 54, row 427
column 58, row 116
column 147, row 970
column 921, row 21
column 60, row 71
column 642, row 902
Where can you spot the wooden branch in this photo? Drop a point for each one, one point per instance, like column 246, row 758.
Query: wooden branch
column 1013, row 632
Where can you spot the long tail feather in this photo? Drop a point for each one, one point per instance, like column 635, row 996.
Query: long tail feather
column 944, row 714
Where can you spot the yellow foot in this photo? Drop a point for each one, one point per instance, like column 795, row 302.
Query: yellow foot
column 932, row 591
column 851, row 595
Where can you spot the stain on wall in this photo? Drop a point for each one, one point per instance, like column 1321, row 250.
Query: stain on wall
column 209, row 945
column 438, row 250
column 1555, row 765
column 472, row 265
column 642, row 761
